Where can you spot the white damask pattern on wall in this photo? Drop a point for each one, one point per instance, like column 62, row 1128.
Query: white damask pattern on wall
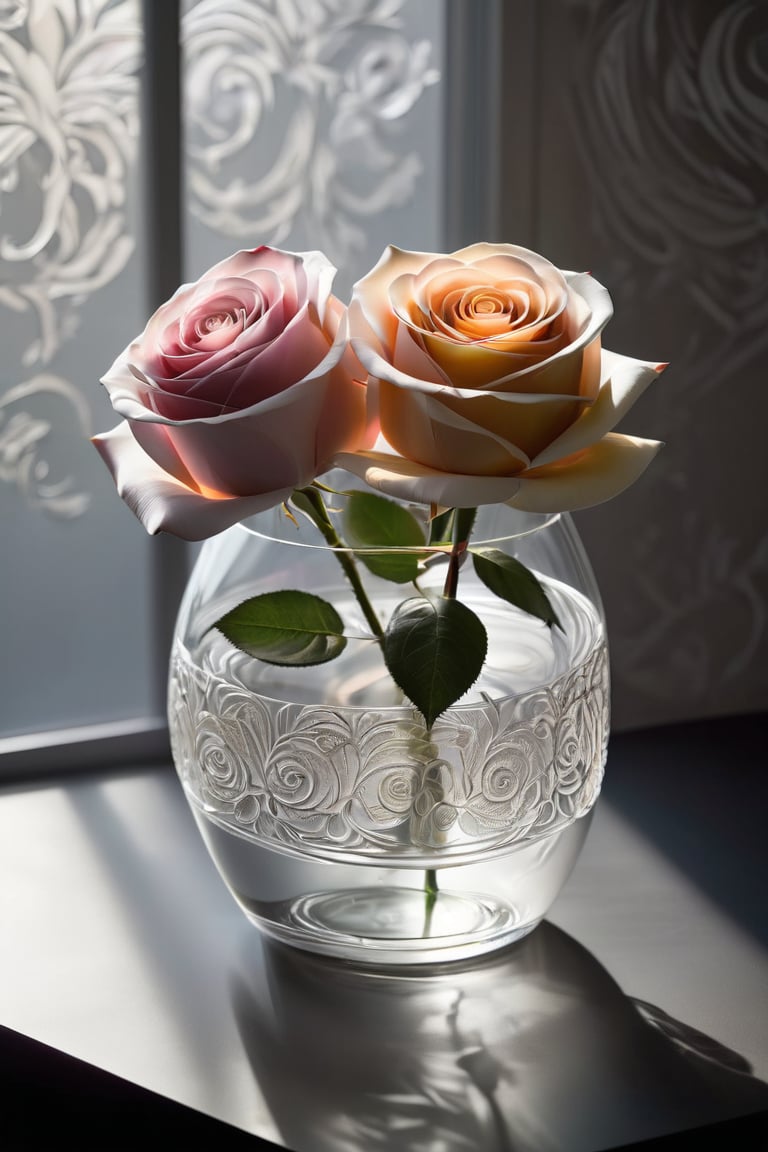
column 68, row 134
column 660, row 185
column 23, row 433
column 73, row 252
column 297, row 116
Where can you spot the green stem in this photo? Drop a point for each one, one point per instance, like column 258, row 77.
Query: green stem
column 319, row 513
column 463, row 520
column 430, row 890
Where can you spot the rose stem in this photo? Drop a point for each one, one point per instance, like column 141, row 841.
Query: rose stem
column 463, row 520
column 430, row 890
column 347, row 561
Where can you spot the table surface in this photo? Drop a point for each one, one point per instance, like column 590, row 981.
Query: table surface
column 638, row 1009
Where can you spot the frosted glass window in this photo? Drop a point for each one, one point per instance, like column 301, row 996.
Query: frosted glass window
column 312, row 125
column 306, row 125
column 74, row 571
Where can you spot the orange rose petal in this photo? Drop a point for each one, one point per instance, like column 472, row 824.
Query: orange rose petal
column 441, row 431
column 377, row 366
column 591, row 477
column 625, row 381
column 471, row 365
column 503, row 258
column 407, row 480
column 540, row 340
column 477, row 367
column 483, row 326
column 372, row 308
column 507, row 426
column 411, row 358
column 437, row 266
column 590, row 305
column 534, row 295
column 530, row 310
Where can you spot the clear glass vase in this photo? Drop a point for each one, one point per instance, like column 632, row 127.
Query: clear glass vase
column 337, row 820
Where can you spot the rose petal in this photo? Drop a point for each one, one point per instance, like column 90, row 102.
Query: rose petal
column 383, row 369
column 473, row 365
column 591, row 477
column 406, row 480
column 497, row 255
column 281, row 441
column 298, row 350
column 498, row 429
column 424, row 309
column 285, row 267
column 286, row 279
column 320, row 274
column 414, row 361
column 128, row 388
column 272, row 444
column 624, row 381
column 525, row 421
column 370, row 298
column 162, row 336
column 164, row 504
column 196, row 371
column 564, row 372
column 176, row 408
column 347, row 416
column 441, row 432
column 599, row 306
column 596, row 475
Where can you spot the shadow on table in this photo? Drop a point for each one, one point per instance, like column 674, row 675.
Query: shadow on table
column 699, row 792
column 535, row 1050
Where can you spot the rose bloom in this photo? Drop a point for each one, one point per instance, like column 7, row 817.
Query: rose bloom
column 241, row 388
column 492, row 384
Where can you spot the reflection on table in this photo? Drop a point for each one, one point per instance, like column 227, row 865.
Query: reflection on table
column 536, row 1050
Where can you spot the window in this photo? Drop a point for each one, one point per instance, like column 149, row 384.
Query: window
column 139, row 145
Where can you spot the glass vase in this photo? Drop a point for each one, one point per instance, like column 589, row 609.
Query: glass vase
column 340, row 823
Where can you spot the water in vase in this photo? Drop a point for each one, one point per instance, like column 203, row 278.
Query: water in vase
column 324, row 800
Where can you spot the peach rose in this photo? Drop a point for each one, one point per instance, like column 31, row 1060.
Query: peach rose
column 241, row 388
column 492, row 385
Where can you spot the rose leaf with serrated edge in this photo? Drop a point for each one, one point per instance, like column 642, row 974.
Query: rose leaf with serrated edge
column 371, row 521
column 513, row 582
column 434, row 648
column 289, row 628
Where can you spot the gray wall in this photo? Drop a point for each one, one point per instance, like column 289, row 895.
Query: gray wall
column 634, row 143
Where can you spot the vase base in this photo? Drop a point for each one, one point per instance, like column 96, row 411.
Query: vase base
column 379, row 912
column 394, row 926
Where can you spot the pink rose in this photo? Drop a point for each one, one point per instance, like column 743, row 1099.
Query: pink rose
column 491, row 381
column 241, row 388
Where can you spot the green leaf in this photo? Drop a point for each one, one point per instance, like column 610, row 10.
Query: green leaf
column 464, row 522
column 287, row 628
column 452, row 526
column 513, row 582
column 440, row 527
column 371, row 521
column 303, row 499
column 310, row 502
column 434, row 648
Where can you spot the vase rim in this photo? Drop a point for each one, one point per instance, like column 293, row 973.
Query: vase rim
column 547, row 519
